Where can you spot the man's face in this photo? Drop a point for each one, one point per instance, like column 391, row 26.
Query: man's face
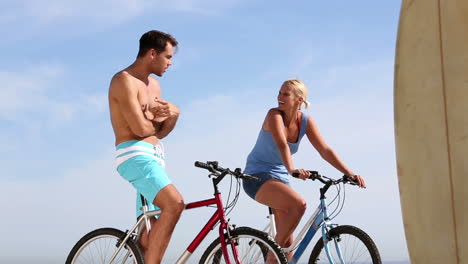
column 162, row 61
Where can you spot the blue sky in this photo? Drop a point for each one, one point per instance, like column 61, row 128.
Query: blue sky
column 58, row 180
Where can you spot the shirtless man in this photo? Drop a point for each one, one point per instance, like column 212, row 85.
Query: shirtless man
column 140, row 119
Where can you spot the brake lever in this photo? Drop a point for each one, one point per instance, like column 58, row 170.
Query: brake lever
column 349, row 180
column 213, row 174
column 251, row 177
column 213, row 164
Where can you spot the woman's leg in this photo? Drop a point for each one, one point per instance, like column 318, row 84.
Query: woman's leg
column 280, row 217
column 288, row 205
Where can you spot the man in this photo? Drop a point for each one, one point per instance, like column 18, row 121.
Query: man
column 140, row 119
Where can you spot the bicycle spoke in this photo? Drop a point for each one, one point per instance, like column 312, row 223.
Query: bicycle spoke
column 100, row 250
column 252, row 246
column 352, row 250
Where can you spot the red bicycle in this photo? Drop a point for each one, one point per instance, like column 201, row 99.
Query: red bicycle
column 234, row 245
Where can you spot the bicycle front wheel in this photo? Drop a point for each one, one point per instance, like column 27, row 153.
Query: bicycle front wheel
column 252, row 247
column 347, row 244
column 100, row 245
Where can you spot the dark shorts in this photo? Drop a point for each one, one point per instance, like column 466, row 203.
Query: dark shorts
column 251, row 187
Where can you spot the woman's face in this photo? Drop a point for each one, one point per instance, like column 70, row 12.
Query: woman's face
column 287, row 99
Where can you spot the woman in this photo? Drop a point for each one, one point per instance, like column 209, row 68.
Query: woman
column 271, row 160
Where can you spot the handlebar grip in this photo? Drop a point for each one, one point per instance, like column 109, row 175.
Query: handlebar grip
column 313, row 175
column 202, row 165
column 212, row 166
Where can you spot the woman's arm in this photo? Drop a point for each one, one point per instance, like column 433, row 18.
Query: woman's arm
column 327, row 153
column 274, row 123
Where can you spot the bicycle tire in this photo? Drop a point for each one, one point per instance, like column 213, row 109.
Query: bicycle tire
column 362, row 247
column 243, row 237
column 107, row 240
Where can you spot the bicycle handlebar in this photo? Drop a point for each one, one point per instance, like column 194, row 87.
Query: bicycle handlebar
column 213, row 167
column 203, row 165
column 314, row 175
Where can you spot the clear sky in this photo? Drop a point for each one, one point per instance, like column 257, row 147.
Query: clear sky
column 57, row 57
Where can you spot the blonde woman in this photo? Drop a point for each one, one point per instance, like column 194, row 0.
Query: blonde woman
column 271, row 159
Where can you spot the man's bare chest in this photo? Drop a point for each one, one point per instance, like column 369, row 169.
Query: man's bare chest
column 146, row 95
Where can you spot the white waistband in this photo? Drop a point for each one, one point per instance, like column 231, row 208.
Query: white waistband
column 156, row 153
column 133, row 148
column 122, row 159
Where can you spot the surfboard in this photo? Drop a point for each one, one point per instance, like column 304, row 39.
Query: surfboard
column 431, row 128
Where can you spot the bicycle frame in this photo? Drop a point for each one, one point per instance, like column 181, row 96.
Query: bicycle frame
column 217, row 217
column 319, row 219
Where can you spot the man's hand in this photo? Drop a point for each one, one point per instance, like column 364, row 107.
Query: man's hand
column 173, row 110
column 147, row 112
column 160, row 110
column 156, row 111
column 169, row 114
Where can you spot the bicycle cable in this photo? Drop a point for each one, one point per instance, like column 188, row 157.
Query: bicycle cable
column 238, row 188
column 342, row 203
column 338, row 198
column 230, row 203
column 344, row 199
column 229, row 194
column 230, row 206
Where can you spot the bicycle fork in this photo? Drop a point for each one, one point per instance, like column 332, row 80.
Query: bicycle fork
column 327, row 240
column 227, row 227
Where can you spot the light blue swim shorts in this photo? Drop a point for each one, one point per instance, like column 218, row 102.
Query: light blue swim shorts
column 142, row 164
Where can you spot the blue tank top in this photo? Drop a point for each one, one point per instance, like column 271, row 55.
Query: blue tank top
column 265, row 156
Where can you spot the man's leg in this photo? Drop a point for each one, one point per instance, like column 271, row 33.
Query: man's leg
column 171, row 203
column 144, row 236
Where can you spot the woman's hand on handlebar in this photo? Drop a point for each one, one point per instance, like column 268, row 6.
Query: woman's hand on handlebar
column 358, row 179
column 303, row 174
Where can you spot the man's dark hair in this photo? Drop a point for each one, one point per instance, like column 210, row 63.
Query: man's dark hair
column 155, row 39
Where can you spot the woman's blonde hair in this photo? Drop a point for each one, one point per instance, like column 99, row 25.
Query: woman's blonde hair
column 300, row 90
